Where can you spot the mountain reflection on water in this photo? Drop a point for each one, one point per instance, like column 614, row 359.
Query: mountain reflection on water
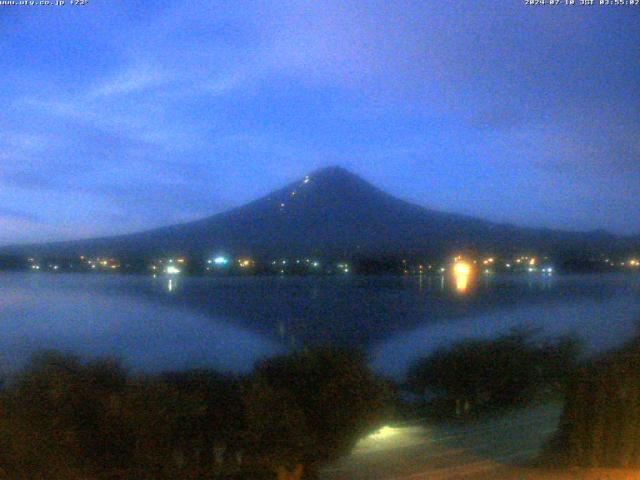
column 228, row 322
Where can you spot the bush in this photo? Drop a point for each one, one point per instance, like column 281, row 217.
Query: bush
column 478, row 376
column 52, row 422
column 65, row 419
column 311, row 407
column 600, row 426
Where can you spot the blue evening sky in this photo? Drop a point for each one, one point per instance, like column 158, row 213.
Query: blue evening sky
column 121, row 115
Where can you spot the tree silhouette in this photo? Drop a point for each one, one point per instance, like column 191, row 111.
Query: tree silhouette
column 493, row 374
column 311, row 407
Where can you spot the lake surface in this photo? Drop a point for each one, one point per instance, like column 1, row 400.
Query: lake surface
column 168, row 323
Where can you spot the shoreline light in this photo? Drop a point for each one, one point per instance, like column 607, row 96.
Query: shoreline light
column 245, row 262
column 171, row 270
column 461, row 274
column 221, row 260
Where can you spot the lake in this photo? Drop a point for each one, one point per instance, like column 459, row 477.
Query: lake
column 174, row 322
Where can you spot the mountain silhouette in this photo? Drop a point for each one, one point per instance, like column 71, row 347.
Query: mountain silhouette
column 333, row 212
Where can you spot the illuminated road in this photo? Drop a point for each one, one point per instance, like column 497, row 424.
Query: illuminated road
column 490, row 450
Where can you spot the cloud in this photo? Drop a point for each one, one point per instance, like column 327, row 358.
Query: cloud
column 68, row 157
column 221, row 103
column 27, row 180
column 23, row 216
column 134, row 80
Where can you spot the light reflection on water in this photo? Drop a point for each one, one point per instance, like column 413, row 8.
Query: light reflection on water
column 601, row 324
column 173, row 322
column 145, row 335
column 462, row 275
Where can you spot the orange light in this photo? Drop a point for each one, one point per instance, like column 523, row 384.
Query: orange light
column 462, row 268
column 462, row 274
column 245, row 262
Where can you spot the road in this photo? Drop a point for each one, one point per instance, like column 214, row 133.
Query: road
column 495, row 449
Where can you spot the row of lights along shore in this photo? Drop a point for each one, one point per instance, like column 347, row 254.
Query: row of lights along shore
column 460, row 264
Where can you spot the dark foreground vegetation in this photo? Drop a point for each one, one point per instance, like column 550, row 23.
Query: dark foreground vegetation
column 600, row 424
column 601, row 420
column 481, row 377
column 65, row 419
column 62, row 418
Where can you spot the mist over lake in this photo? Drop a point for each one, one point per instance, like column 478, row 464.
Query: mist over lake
column 227, row 323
